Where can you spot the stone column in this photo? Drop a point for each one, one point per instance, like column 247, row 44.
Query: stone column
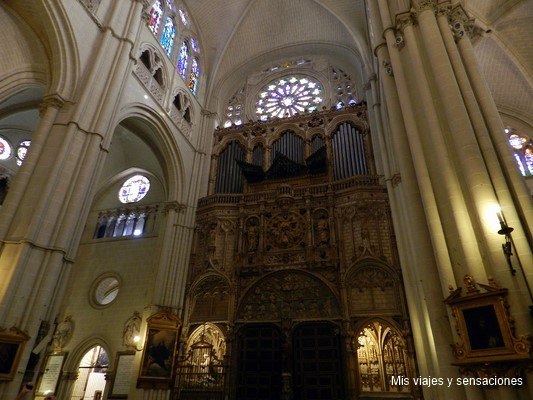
column 44, row 217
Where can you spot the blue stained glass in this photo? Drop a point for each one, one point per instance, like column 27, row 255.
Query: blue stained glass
column 194, row 44
column 167, row 39
column 183, row 59
column 195, row 73
column 155, row 16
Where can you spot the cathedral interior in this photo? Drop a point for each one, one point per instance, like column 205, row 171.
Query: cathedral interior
column 266, row 199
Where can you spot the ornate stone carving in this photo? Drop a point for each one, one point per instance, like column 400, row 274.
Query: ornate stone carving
column 286, row 230
column 387, row 67
column 289, row 295
column 63, row 333
column 132, row 327
column 321, row 228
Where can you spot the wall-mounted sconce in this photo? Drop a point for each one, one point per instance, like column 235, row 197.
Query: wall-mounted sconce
column 136, row 341
column 507, row 246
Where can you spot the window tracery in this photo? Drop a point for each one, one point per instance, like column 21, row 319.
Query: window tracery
column 134, row 189
column 234, row 113
column 522, row 151
column 288, row 96
column 344, row 88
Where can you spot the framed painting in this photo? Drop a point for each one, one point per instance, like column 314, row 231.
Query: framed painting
column 484, row 325
column 12, row 343
column 157, row 365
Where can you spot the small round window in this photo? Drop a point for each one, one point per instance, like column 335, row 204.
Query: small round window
column 105, row 291
column 5, row 149
column 134, row 189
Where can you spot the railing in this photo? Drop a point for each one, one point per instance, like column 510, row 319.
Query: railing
column 126, row 221
column 197, row 382
column 320, row 189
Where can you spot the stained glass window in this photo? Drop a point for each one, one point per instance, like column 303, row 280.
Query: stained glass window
column 523, row 151
column 195, row 73
column 167, row 39
column 288, row 96
column 183, row 17
column 183, row 59
column 169, row 4
column 5, row 149
column 155, row 16
column 194, row 45
column 22, row 150
column 134, row 189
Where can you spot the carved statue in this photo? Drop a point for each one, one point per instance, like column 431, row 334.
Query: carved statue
column 252, row 235
column 322, row 231
column 132, row 327
column 63, row 333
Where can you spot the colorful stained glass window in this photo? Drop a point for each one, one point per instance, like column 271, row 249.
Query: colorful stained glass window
column 167, row 39
column 195, row 73
column 183, row 17
column 134, row 189
column 5, row 149
column 22, row 150
column 194, row 45
column 523, row 151
column 183, row 59
column 169, row 4
column 155, row 16
column 288, row 96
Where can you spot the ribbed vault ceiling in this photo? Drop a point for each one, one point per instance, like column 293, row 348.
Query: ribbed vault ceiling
column 237, row 31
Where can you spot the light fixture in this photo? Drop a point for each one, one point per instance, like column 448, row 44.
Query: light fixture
column 134, row 345
column 507, row 248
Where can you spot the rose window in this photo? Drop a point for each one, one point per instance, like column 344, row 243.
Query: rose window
column 289, row 96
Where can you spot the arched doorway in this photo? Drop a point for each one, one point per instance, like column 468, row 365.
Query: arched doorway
column 90, row 383
column 288, row 344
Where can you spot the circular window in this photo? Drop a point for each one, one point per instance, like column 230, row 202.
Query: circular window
column 288, row 96
column 22, row 150
column 105, row 290
column 134, row 189
column 5, row 149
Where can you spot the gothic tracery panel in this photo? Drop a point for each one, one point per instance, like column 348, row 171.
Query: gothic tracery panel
column 288, row 295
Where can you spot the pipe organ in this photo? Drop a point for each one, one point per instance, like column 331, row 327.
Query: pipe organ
column 294, row 268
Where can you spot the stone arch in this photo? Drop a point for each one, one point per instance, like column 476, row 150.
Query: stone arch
column 288, row 294
column 381, row 352
column 161, row 140
column 212, row 335
column 372, row 287
column 76, row 355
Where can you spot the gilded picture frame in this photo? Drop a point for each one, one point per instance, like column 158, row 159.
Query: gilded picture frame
column 12, row 342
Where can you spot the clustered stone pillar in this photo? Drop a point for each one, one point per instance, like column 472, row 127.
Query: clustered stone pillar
column 438, row 125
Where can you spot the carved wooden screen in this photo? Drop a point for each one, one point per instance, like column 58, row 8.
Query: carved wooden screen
column 348, row 152
column 229, row 176
column 259, row 364
column 317, row 363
